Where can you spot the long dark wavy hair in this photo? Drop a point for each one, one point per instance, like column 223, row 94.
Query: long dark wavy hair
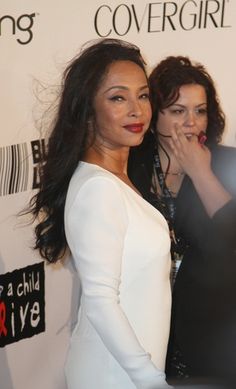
column 69, row 138
column 175, row 71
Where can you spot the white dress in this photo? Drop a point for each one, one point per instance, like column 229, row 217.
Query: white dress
column 121, row 248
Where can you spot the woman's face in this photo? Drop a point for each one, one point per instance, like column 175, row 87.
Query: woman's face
column 122, row 107
column 189, row 112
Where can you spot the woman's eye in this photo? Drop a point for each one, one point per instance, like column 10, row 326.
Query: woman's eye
column 201, row 111
column 177, row 111
column 144, row 96
column 117, row 98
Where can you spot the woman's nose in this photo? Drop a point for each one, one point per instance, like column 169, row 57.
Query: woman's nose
column 135, row 108
column 190, row 119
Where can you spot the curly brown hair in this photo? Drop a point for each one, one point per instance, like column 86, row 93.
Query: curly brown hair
column 167, row 78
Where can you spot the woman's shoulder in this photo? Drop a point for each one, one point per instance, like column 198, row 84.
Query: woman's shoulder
column 224, row 157
column 93, row 184
column 92, row 175
column 222, row 151
column 224, row 164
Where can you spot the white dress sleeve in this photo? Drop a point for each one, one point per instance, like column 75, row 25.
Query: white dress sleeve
column 97, row 222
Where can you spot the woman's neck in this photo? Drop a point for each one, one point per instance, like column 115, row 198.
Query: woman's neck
column 114, row 161
column 173, row 172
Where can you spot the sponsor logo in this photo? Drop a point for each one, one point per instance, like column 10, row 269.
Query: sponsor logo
column 20, row 166
column 155, row 17
column 38, row 155
column 22, row 303
column 21, row 27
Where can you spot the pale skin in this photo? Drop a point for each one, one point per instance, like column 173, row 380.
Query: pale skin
column 183, row 121
column 122, row 116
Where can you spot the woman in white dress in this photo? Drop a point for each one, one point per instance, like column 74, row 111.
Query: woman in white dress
column 119, row 242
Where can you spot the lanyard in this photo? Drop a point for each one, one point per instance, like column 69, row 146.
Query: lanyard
column 168, row 209
column 167, row 200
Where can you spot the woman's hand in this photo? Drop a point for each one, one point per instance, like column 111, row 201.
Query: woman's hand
column 194, row 158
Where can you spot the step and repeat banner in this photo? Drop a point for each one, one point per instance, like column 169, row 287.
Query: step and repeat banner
column 39, row 302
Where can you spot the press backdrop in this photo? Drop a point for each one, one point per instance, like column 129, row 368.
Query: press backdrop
column 38, row 302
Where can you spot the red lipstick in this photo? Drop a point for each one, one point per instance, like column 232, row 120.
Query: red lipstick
column 135, row 127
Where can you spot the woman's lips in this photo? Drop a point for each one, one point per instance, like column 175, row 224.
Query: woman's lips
column 135, row 127
column 189, row 134
column 201, row 137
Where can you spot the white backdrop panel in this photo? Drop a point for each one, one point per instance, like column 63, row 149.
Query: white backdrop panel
column 37, row 39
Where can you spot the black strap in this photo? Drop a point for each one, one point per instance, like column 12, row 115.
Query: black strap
column 168, row 209
column 167, row 200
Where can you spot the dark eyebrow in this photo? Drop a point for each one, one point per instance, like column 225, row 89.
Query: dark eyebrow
column 183, row 106
column 199, row 105
column 124, row 88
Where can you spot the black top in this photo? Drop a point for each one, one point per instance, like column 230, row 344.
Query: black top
column 204, row 294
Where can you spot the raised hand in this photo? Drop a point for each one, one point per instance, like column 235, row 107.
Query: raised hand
column 195, row 160
column 193, row 157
